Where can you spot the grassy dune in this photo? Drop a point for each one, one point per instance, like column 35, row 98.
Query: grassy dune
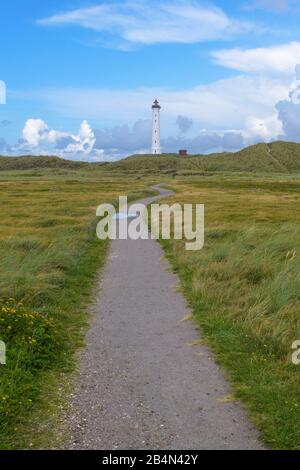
column 277, row 157
column 49, row 256
column 244, row 288
column 30, row 162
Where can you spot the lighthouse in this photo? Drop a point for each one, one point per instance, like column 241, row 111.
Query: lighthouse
column 156, row 150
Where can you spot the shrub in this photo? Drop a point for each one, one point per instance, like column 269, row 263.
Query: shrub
column 32, row 342
column 34, row 333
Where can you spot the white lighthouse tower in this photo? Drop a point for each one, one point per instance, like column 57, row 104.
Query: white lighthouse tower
column 156, row 150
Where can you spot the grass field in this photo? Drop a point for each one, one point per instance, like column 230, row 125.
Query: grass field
column 244, row 288
column 49, row 256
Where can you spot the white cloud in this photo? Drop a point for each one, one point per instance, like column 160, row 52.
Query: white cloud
column 284, row 123
column 35, row 131
column 2, row 92
column 83, row 142
column 38, row 138
column 114, row 143
column 151, row 22
column 289, row 111
column 262, row 129
column 224, row 104
column 280, row 59
column 225, row 114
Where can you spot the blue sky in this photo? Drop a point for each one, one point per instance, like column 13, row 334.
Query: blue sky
column 81, row 75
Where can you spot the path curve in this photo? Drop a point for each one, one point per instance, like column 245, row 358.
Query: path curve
column 145, row 382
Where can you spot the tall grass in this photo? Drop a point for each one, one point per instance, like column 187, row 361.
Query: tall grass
column 49, row 256
column 244, row 288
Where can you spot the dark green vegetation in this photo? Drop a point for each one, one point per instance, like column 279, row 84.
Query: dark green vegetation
column 49, row 257
column 277, row 157
column 244, row 288
column 29, row 162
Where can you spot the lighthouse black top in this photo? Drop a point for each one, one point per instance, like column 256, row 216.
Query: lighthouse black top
column 156, row 105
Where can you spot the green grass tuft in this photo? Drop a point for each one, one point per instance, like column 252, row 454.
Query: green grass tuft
column 244, row 289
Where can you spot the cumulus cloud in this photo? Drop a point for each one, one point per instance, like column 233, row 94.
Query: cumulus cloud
column 205, row 141
column 151, row 22
column 289, row 111
column 34, row 132
column 275, row 65
column 184, row 123
column 125, row 139
column 262, row 129
column 270, row 109
column 268, row 60
column 88, row 144
column 38, row 138
column 121, row 140
column 112, row 143
column 215, row 107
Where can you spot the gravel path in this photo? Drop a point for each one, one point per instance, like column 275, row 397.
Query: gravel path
column 145, row 382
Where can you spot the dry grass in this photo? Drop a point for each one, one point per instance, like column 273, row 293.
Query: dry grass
column 49, row 256
column 244, row 287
